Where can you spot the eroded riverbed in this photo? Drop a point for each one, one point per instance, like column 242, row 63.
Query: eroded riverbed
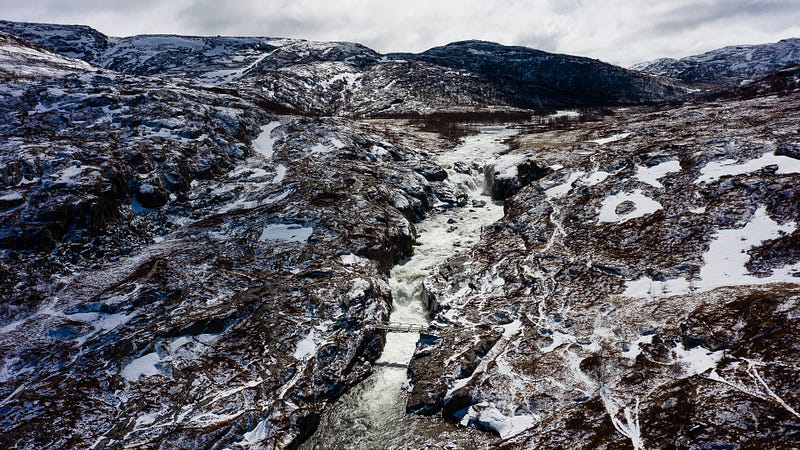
column 373, row 414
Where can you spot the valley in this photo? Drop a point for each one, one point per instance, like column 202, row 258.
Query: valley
column 202, row 236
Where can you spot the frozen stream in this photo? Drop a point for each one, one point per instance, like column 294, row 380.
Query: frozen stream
column 373, row 415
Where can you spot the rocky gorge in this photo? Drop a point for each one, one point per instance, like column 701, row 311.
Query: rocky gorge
column 198, row 237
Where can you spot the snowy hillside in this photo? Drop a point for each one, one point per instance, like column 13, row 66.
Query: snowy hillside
column 460, row 75
column 728, row 65
column 19, row 59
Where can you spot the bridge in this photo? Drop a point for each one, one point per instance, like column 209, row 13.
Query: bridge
column 399, row 327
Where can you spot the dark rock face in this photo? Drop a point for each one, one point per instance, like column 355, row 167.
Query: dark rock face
column 623, row 325
column 535, row 79
column 511, row 177
column 791, row 150
column 729, row 65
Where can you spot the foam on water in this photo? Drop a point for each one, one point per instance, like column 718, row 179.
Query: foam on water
column 373, row 415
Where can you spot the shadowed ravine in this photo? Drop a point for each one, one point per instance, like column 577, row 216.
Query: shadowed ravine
column 373, row 414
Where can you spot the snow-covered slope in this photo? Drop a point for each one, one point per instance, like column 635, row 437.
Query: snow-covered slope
column 22, row 60
column 728, row 65
column 297, row 73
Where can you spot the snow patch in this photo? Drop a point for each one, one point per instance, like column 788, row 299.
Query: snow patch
column 561, row 189
column 11, row 197
column 643, row 206
column 726, row 257
column 352, row 260
column 725, row 262
column 565, row 113
column 142, row 366
column 280, row 174
column 717, row 169
column 696, row 360
column 10, row 370
column 264, row 143
column 491, row 417
column 635, row 348
column 505, row 167
column 100, row 321
column 612, row 138
column 261, row 431
column 307, row 346
column 595, row 178
column 651, row 175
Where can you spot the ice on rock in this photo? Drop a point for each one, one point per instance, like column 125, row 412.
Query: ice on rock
column 286, row 232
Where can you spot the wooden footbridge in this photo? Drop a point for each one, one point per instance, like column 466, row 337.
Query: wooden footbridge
column 399, row 327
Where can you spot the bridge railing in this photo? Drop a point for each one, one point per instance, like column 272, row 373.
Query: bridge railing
column 399, row 327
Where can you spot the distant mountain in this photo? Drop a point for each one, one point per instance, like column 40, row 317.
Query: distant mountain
column 341, row 78
column 728, row 65
column 533, row 78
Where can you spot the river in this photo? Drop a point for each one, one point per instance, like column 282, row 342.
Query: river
column 372, row 415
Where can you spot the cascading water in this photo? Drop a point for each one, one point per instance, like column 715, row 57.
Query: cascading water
column 372, row 415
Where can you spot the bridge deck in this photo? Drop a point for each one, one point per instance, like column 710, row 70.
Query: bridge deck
column 398, row 327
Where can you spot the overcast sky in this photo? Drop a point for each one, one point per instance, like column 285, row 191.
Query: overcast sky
column 617, row 31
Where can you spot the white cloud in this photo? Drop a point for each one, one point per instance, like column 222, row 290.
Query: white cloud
column 618, row 31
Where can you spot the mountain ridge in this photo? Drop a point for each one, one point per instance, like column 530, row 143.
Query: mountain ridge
column 730, row 65
column 513, row 77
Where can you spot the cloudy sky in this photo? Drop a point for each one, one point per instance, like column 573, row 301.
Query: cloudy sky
column 618, row 31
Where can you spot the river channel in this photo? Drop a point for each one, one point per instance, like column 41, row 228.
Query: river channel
column 372, row 415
